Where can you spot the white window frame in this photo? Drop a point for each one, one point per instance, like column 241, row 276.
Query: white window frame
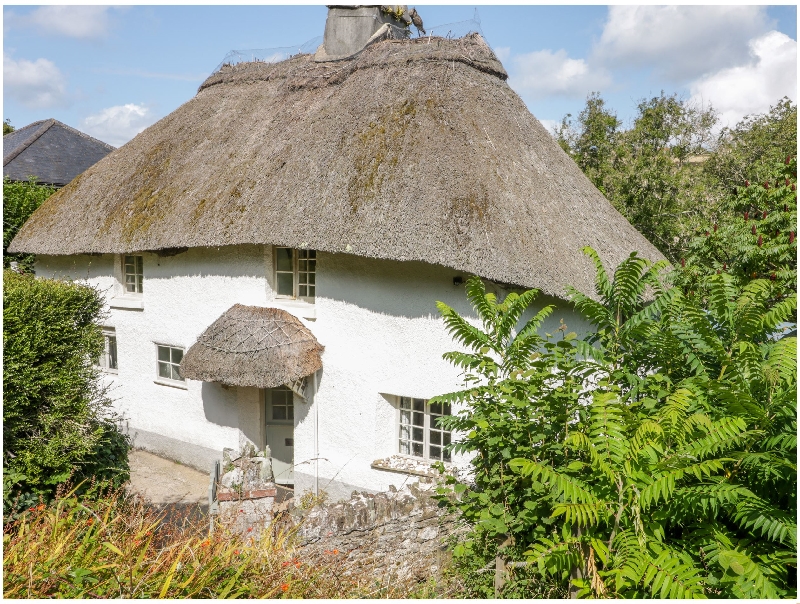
column 169, row 381
column 138, row 282
column 296, row 273
column 427, row 429
column 104, row 361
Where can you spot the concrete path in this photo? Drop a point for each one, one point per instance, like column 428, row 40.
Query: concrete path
column 162, row 481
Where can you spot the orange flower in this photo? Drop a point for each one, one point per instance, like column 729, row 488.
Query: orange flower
column 285, row 587
column 90, row 522
column 336, row 552
column 236, row 551
column 40, row 507
column 205, row 543
column 250, row 530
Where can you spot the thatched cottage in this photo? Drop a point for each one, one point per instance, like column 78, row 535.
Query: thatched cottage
column 271, row 252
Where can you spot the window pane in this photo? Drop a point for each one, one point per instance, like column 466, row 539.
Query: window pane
column 284, row 259
column 302, row 290
column 405, row 416
column 446, row 436
column 416, row 449
column 445, row 455
column 312, row 253
column 419, row 419
column 436, row 437
column 419, row 404
column 312, row 278
column 112, row 352
column 164, row 370
column 405, row 448
column 302, row 265
column 278, row 412
column 417, row 434
column 285, row 284
column 176, row 373
column 405, row 402
column 405, row 432
column 139, row 287
column 446, row 409
column 436, row 452
column 312, row 266
column 177, row 355
column 436, row 408
column 163, row 353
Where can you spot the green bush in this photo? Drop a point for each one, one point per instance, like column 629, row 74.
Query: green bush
column 20, row 200
column 56, row 422
column 655, row 457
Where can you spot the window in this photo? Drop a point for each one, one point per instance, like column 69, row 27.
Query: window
column 295, row 273
column 108, row 358
column 133, row 274
column 420, row 433
column 282, row 404
column 169, row 359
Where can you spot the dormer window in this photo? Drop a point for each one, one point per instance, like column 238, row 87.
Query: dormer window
column 295, row 273
column 133, row 273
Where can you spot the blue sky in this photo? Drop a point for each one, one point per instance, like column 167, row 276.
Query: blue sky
column 112, row 71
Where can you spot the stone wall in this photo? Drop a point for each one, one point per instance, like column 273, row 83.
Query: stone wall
column 402, row 534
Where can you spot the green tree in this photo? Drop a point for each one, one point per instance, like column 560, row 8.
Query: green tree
column 7, row 127
column 56, row 418
column 654, row 457
column 20, row 200
column 750, row 149
column 650, row 171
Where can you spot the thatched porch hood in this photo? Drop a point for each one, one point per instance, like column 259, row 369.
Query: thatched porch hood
column 253, row 346
column 411, row 150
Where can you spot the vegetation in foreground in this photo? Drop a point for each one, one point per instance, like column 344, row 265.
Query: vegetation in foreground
column 56, row 414
column 20, row 200
column 114, row 546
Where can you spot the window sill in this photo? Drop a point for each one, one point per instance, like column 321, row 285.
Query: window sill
column 414, row 466
column 107, row 371
column 127, row 302
column 300, row 308
column 171, row 384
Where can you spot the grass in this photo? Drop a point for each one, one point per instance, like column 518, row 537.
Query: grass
column 118, row 546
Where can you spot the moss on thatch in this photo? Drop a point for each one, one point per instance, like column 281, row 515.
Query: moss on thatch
column 412, row 150
column 253, row 346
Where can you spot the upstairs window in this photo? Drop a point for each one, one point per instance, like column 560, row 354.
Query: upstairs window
column 295, row 273
column 108, row 358
column 420, row 433
column 169, row 360
column 133, row 274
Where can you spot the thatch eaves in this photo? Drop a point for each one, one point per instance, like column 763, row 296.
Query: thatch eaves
column 412, row 150
column 50, row 151
column 253, row 346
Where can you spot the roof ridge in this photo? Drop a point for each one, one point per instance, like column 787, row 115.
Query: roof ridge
column 84, row 135
column 28, row 141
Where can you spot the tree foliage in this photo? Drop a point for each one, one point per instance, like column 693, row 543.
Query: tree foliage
column 20, row 200
column 653, row 457
column 56, row 423
column 7, row 127
column 668, row 173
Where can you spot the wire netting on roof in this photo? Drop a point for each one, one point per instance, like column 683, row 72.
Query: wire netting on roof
column 451, row 31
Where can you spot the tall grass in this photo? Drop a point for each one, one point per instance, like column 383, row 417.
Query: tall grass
column 117, row 546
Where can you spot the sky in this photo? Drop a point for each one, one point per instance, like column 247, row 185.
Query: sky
column 113, row 71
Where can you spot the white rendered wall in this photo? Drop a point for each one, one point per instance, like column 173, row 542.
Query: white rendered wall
column 377, row 319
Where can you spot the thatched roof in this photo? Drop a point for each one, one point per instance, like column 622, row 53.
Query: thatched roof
column 51, row 151
column 253, row 346
column 411, row 150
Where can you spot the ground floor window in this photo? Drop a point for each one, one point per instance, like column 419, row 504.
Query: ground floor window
column 169, row 360
column 420, row 433
column 108, row 358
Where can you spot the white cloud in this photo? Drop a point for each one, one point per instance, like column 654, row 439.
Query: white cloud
column 680, row 42
column 71, row 21
column 35, row 84
column 753, row 86
column 119, row 124
column 546, row 73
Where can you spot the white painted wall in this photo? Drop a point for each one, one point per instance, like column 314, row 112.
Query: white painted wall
column 376, row 318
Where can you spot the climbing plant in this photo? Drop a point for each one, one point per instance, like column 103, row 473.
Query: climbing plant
column 651, row 457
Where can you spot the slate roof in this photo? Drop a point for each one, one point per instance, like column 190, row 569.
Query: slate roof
column 51, row 151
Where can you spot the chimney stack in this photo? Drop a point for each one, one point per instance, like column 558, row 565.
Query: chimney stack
column 349, row 29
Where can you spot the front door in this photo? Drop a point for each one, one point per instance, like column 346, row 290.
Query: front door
column 279, row 414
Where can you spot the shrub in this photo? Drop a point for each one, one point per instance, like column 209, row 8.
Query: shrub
column 56, row 422
column 653, row 458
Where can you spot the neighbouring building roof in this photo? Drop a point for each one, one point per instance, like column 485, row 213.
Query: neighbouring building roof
column 411, row 150
column 253, row 346
column 51, row 151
